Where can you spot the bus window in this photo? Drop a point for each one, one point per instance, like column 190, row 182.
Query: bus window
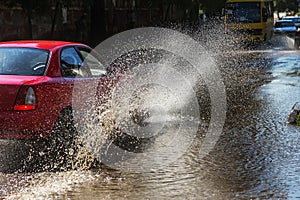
column 243, row 12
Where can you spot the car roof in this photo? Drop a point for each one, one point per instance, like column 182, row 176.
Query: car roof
column 41, row 44
column 284, row 20
column 290, row 17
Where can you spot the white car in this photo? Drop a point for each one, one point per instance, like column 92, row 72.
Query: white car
column 295, row 19
column 286, row 27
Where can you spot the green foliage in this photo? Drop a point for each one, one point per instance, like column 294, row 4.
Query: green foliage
column 298, row 120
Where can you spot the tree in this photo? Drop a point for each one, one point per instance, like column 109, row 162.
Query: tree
column 286, row 5
column 213, row 7
column 98, row 25
column 45, row 7
column 29, row 6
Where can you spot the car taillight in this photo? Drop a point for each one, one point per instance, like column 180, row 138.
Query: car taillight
column 26, row 99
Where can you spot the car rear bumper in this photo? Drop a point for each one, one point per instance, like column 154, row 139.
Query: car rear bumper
column 27, row 124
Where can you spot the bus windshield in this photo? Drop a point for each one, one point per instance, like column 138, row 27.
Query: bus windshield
column 243, row 12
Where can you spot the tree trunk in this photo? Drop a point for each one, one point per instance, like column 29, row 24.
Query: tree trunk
column 29, row 20
column 53, row 21
column 167, row 12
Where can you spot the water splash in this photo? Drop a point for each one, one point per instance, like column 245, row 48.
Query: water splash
column 170, row 84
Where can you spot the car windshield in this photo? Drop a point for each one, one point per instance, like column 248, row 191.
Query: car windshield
column 23, row 61
column 284, row 24
column 243, row 12
column 294, row 19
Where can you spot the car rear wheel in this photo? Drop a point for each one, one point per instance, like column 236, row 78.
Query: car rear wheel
column 61, row 143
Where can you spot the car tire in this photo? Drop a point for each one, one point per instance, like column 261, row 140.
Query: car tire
column 297, row 44
column 131, row 143
column 61, row 142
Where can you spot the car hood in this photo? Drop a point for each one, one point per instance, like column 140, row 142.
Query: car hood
column 9, row 88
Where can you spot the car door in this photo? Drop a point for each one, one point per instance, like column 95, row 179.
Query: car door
column 70, row 63
column 93, row 85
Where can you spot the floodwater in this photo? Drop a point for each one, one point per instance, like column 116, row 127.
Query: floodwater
column 256, row 156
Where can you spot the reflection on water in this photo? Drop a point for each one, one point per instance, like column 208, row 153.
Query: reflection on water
column 278, row 140
column 257, row 155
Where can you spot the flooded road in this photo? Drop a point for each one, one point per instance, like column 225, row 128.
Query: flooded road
column 257, row 154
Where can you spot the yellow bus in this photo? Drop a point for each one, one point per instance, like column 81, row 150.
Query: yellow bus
column 252, row 20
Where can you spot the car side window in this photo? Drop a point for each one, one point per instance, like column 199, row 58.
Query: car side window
column 95, row 67
column 71, row 63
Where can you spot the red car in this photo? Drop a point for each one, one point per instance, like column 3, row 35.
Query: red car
column 36, row 85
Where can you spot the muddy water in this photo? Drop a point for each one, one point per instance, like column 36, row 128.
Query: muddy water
column 256, row 156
